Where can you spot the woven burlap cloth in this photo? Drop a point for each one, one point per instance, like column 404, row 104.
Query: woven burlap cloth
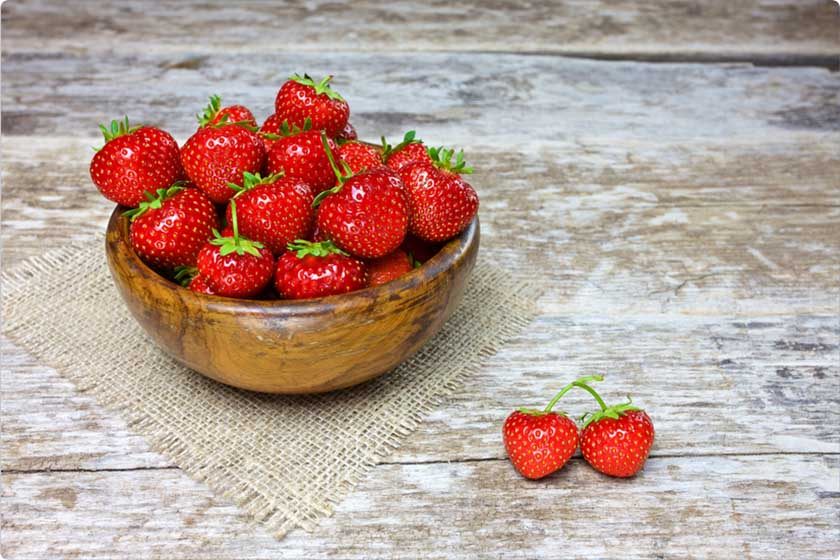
column 287, row 461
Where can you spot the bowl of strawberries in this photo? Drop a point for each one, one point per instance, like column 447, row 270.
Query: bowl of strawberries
column 291, row 257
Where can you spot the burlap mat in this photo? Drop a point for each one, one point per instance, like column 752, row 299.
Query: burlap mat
column 287, row 461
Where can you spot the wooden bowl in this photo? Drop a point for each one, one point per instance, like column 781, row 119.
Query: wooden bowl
column 287, row 346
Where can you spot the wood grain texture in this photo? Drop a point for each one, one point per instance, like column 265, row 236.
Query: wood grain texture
column 720, row 507
column 758, row 30
column 686, row 218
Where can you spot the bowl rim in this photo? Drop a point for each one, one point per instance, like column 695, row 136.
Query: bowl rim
column 450, row 254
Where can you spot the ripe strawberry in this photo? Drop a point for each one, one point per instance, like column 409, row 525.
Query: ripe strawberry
column 539, row 443
column 234, row 266
column 407, row 151
column 219, row 154
column 134, row 160
column 189, row 277
column 199, row 285
column 441, row 203
column 300, row 155
column 349, row 133
column 215, row 114
column 169, row 229
column 390, row 267
column 419, row 250
column 270, row 131
column 301, row 98
column 310, row 270
column 617, row 439
column 365, row 214
column 273, row 210
column 360, row 156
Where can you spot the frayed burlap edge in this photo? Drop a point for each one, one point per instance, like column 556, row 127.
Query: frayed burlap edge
column 520, row 309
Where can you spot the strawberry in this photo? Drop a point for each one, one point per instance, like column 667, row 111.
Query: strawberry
column 199, row 285
column 420, row 251
column 134, row 160
column 215, row 114
column 390, row 267
column 407, row 151
column 301, row 98
column 441, row 203
column 300, row 154
column 273, row 210
column 189, row 277
column 540, row 442
column 310, row 270
column 270, row 131
column 365, row 214
column 169, row 228
column 348, row 133
column 219, row 154
column 235, row 266
column 360, row 156
column 616, row 440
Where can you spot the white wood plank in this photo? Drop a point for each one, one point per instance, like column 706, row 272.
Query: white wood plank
column 763, row 30
column 725, row 507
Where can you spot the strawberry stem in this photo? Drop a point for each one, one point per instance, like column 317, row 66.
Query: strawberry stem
column 591, row 391
column 613, row 411
column 341, row 176
column 567, row 388
column 239, row 245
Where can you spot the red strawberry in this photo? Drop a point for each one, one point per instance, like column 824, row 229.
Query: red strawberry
column 170, row 228
column 189, row 277
column 365, row 214
column 273, row 210
column 214, row 114
column 539, row 443
column 310, row 270
column 134, row 160
column 390, row 267
column 419, row 250
column 199, row 285
column 441, row 203
column 301, row 155
column 617, row 439
column 234, row 266
column 360, row 156
column 349, row 133
column 407, row 151
column 270, row 131
column 219, row 154
column 301, row 98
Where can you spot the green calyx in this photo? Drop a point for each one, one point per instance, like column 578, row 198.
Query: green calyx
column 615, row 411
column 388, row 150
column 303, row 248
column 235, row 243
column 442, row 159
column 211, row 111
column 154, row 201
column 185, row 274
column 253, row 180
column 287, row 129
column 321, row 87
column 117, row 129
column 342, row 175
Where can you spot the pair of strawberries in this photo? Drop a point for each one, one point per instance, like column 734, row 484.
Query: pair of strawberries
column 615, row 440
column 304, row 201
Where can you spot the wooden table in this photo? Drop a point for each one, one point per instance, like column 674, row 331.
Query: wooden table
column 671, row 169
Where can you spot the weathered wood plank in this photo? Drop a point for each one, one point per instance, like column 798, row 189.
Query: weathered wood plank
column 502, row 100
column 763, row 30
column 734, row 507
column 692, row 374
